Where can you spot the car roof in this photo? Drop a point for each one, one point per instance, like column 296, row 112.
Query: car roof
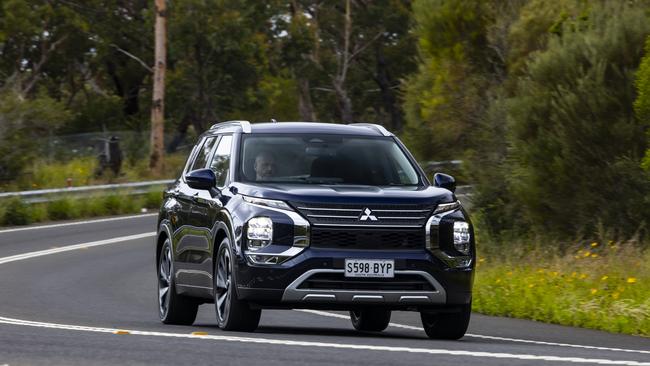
column 359, row 129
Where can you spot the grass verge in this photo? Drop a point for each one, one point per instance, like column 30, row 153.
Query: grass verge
column 15, row 212
column 601, row 285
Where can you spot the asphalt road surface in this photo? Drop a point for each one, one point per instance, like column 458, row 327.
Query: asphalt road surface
column 83, row 293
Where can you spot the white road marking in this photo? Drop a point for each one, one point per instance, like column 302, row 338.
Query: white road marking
column 76, row 223
column 499, row 355
column 404, row 326
column 40, row 253
column 363, row 347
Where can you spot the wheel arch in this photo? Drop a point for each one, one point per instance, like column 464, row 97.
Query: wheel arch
column 164, row 233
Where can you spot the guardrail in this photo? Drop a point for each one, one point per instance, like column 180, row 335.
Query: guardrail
column 46, row 195
column 463, row 192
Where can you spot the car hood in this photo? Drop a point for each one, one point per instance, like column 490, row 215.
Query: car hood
column 350, row 194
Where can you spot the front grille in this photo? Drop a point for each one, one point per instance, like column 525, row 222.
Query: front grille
column 338, row 281
column 359, row 215
column 373, row 238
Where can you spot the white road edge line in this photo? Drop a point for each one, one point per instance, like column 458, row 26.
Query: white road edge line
column 76, row 223
column 432, row 351
column 499, row 355
column 40, row 253
column 404, row 326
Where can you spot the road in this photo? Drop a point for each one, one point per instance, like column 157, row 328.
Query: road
column 68, row 291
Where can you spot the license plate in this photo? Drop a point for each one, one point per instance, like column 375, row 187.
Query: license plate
column 370, row 268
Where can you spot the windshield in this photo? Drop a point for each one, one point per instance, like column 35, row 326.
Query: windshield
column 325, row 159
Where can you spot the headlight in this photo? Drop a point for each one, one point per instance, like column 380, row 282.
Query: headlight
column 461, row 236
column 259, row 232
column 267, row 203
column 445, row 207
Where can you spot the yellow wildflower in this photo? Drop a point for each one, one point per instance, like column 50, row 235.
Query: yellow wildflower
column 594, row 244
column 615, row 295
column 587, row 253
column 498, row 280
column 531, row 285
column 481, row 260
column 593, row 291
column 595, row 255
column 631, row 280
column 604, row 278
column 583, row 276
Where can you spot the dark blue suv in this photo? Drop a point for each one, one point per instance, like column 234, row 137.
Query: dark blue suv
column 313, row 215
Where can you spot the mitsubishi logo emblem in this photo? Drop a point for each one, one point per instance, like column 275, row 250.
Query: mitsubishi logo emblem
column 367, row 214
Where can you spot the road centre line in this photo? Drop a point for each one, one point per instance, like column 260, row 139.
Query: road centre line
column 50, row 226
column 363, row 347
column 124, row 239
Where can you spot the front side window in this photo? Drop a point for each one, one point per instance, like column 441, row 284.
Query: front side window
column 325, row 159
column 221, row 161
column 203, row 153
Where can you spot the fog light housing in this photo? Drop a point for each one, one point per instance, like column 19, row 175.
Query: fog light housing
column 259, row 233
column 461, row 236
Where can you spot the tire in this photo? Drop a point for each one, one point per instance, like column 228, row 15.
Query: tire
column 172, row 308
column 370, row 320
column 447, row 325
column 232, row 313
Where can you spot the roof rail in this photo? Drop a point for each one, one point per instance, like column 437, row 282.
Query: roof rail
column 245, row 125
column 381, row 129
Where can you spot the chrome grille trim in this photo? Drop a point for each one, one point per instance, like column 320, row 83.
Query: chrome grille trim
column 382, row 215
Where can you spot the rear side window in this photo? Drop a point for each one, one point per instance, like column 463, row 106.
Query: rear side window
column 203, row 154
column 221, row 161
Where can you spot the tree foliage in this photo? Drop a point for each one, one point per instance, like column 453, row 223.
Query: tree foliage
column 575, row 144
column 537, row 98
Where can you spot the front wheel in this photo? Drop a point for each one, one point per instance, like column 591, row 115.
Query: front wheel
column 371, row 320
column 232, row 313
column 447, row 325
column 172, row 308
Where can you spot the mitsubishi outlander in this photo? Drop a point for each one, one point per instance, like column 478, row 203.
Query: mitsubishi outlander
column 313, row 215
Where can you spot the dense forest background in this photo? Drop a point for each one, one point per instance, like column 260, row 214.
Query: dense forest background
column 546, row 102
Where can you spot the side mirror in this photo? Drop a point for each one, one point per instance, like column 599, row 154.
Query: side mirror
column 201, row 179
column 445, row 181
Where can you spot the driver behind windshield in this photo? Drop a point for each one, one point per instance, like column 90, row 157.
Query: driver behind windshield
column 264, row 166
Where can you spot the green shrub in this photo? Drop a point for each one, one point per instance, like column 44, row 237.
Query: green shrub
column 38, row 212
column 112, row 204
column 152, row 200
column 16, row 212
column 62, row 209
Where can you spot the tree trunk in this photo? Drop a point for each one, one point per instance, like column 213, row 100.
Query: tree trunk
column 305, row 106
column 344, row 102
column 388, row 99
column 156, row 155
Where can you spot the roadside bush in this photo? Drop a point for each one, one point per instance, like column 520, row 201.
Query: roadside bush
column 152, row 200
column 62, row 209
column 112, row 204
column 16, row 212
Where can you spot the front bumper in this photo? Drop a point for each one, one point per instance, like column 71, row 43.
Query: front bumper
column 280, row 285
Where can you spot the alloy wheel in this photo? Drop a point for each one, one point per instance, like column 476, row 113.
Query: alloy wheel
column 223, row 292
column 164, row 280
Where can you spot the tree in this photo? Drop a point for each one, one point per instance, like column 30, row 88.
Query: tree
column 642, row 102
column 446, row 96
column 158, row 105
column 575, row 145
